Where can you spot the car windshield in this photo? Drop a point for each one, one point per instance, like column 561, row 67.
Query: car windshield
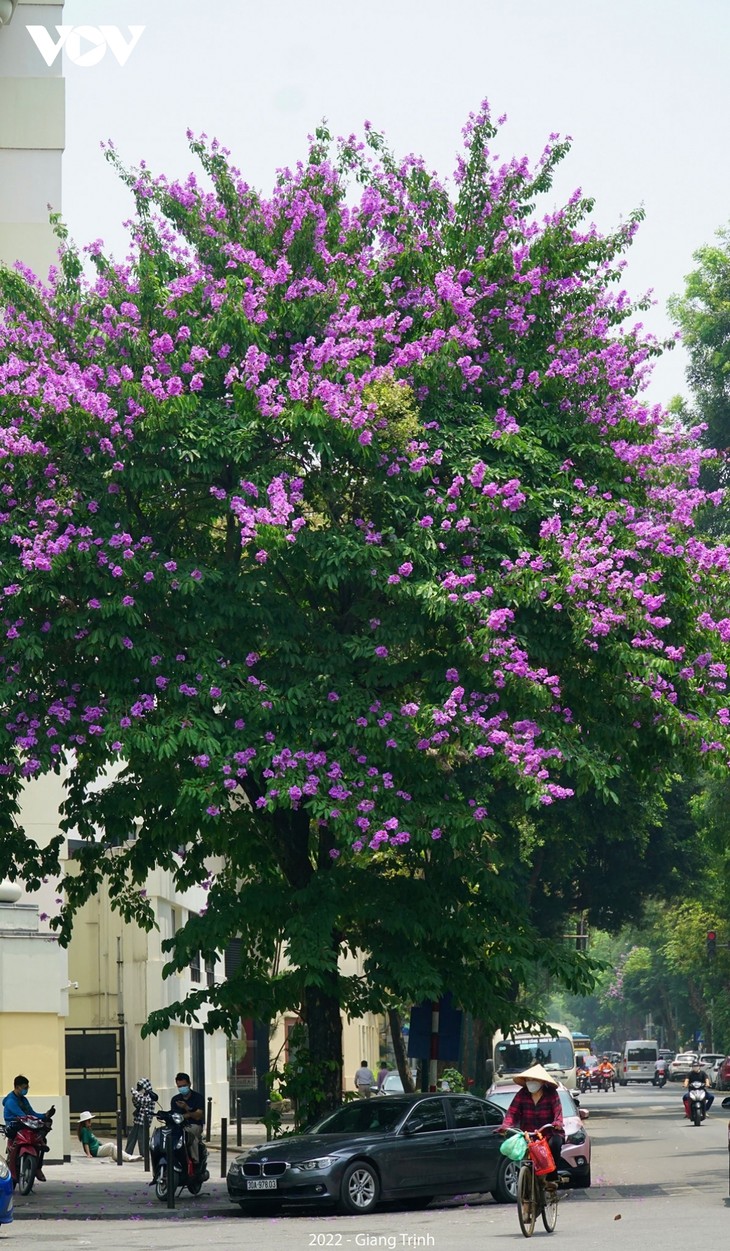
column 516, row 1055
column 366, row 1116
column 643, row 1055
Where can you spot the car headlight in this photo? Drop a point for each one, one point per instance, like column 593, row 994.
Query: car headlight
column 576, row 1138
column 4, row 1171
column 235, row 1167
column 309, row 1166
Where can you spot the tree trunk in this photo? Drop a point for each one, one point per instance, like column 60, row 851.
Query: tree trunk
column 321, row 1014
column 320, row 1009
column 399, row 1047
column 483, row 1066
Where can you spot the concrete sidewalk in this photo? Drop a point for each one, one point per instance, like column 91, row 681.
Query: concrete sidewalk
column 98, row 1190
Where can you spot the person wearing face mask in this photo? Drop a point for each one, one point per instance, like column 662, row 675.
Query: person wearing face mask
column 192, row 1106
column 16, row 1105
column 537, row 1103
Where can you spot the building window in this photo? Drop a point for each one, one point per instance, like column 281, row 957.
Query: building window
column 209, row 972
column 195, row 967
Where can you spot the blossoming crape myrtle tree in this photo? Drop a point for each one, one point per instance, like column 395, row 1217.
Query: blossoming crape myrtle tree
column 338, row 550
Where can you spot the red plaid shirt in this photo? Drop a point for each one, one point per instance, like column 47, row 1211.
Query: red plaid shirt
column 524, row 1113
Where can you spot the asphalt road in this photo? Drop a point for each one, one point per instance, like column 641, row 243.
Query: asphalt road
column 657, row 1181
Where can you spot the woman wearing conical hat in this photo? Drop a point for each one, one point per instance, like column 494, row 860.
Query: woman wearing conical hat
column 537, row 1103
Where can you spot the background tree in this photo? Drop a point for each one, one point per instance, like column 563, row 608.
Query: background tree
column 338, row 548
column 703, row 316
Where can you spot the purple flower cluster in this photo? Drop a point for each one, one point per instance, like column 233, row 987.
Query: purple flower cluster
column 350, row 504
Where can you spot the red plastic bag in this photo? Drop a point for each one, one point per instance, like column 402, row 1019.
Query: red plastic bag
column 541, row 1156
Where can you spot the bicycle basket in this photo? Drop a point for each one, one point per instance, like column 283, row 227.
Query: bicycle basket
column 514, row 1147
column 541, row 1156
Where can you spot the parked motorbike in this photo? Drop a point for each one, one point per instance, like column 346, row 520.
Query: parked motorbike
column 26, row 1148
column 697, row 1102
column 185, row 1171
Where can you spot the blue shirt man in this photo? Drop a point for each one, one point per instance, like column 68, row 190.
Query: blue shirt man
column 16, row 1103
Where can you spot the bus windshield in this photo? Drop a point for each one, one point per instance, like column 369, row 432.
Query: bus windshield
column 512, row 1055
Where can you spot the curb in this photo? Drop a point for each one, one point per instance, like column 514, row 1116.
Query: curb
column 178, row 1214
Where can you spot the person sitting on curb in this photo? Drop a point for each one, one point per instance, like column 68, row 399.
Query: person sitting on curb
column 95, row 1149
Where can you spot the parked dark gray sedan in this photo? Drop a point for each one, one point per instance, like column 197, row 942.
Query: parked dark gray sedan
column 406, row 1147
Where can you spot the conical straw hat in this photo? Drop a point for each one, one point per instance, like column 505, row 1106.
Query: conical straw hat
column 536, row 1074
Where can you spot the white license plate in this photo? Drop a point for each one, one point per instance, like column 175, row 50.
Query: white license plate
column 264, row 1183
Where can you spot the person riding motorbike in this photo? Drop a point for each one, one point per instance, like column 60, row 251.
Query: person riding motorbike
column 697, row 1077
column 536, row 1104
column 661, row 1070
column 15, row 1106
column 607, row 1071
column 582, row 1074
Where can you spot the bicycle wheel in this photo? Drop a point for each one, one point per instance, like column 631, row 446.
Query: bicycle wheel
column 548, row 1206
column 526, row 1200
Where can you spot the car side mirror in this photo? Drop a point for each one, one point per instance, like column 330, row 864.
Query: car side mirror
column 725, row 1103
column 583, row 1113
column 412, row 1127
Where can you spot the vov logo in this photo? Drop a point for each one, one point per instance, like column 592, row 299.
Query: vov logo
column 86, row 45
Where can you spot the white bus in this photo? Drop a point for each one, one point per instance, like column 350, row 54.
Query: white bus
column 521, row 1048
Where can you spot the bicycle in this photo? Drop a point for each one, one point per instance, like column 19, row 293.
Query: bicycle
column 533, row 1197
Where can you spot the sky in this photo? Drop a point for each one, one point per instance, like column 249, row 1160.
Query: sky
column 639, row 85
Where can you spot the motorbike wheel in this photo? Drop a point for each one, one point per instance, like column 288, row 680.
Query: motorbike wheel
column 696, row 1114
column 195, row 1185
column 161, row 1187
column 26, row 1173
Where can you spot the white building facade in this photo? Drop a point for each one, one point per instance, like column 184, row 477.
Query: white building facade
column 32, row 136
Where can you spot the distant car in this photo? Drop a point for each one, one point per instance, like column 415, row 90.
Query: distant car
column 680, row 1066
column 6, row 1194
column 576, row 1152
column 407, row 1148
column 710, row 1061
column 665, row 1054
column 722, row 1079
column 392, row 1085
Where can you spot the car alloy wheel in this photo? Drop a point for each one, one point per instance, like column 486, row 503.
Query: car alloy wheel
column 360, row 1188
column 506, row 1189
